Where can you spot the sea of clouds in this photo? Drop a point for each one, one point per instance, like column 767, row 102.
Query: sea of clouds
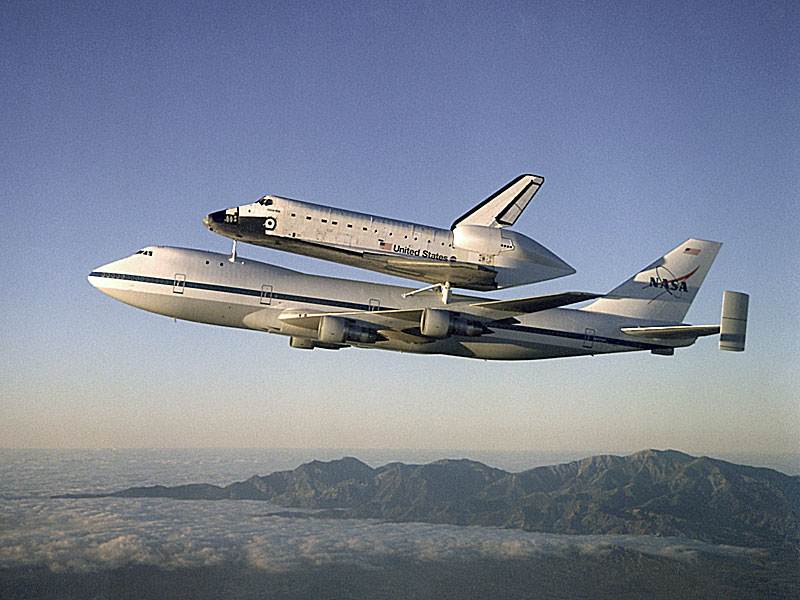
column 90, row 534
column 80, row 535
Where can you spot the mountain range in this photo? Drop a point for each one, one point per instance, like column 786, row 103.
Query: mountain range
column 653, row 492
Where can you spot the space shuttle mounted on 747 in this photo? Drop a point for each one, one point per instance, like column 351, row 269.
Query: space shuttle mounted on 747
column 476, row 253
column 645, row 312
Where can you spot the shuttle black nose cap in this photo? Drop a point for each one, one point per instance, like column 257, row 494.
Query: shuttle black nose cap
column 214, row 218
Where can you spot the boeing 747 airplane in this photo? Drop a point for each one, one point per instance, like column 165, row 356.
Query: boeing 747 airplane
column 476, row 253
column 645, row 312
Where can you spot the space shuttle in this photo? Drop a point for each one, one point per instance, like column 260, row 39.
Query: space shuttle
column 477, row 252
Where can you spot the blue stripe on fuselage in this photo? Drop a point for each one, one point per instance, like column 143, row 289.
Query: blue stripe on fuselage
column 212, row 287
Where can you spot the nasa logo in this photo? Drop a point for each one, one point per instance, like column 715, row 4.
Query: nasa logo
column 666, row 280
column 269, row 224
column 670, row 285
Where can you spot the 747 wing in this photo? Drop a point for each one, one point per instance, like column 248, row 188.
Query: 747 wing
column 422, row 325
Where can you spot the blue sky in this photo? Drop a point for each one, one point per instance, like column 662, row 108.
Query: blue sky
column 125, row 123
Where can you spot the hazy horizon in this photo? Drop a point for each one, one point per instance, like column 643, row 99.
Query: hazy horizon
column 512, row 461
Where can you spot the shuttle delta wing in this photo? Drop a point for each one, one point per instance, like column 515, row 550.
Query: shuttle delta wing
column 504, row 207
column 460, row 274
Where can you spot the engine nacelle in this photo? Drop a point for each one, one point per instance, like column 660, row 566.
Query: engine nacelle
column 477, row 238
column 336, row 330
column 301, row 343
column 437, row 323
column 309, row 344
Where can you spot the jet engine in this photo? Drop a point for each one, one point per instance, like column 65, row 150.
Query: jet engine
column 438, row 323
column 309, row 344
column 336, row 330
column 301, row 343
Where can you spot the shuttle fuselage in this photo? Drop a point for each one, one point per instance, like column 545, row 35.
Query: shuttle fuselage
column 477, row 253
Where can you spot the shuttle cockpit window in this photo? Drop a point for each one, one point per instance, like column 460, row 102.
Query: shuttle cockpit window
column 265, row 201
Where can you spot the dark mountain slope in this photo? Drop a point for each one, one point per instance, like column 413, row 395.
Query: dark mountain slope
column 665, row 493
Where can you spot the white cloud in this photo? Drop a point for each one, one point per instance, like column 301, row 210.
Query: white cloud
column 81, row 535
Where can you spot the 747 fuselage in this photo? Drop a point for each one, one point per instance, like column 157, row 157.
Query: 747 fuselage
column 325, row 312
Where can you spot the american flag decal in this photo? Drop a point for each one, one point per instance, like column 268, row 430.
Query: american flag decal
column 384, row 245
column 692, row 251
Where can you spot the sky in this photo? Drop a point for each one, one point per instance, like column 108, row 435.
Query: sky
column 125, row 123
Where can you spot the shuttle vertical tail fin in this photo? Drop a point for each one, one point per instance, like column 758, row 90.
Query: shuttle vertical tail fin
column 665, row 289
column 504, row 207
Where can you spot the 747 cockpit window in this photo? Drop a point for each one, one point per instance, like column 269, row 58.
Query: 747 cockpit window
column 145, row 252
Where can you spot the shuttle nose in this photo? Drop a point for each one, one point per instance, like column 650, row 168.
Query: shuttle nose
column 213, row 219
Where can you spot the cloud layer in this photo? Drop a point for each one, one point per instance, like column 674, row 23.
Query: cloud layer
column 85, row 535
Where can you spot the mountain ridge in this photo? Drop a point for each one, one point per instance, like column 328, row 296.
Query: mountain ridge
column 651, row 492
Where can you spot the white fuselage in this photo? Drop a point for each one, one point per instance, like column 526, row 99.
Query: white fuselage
column 208, row 287
column 477, row 258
